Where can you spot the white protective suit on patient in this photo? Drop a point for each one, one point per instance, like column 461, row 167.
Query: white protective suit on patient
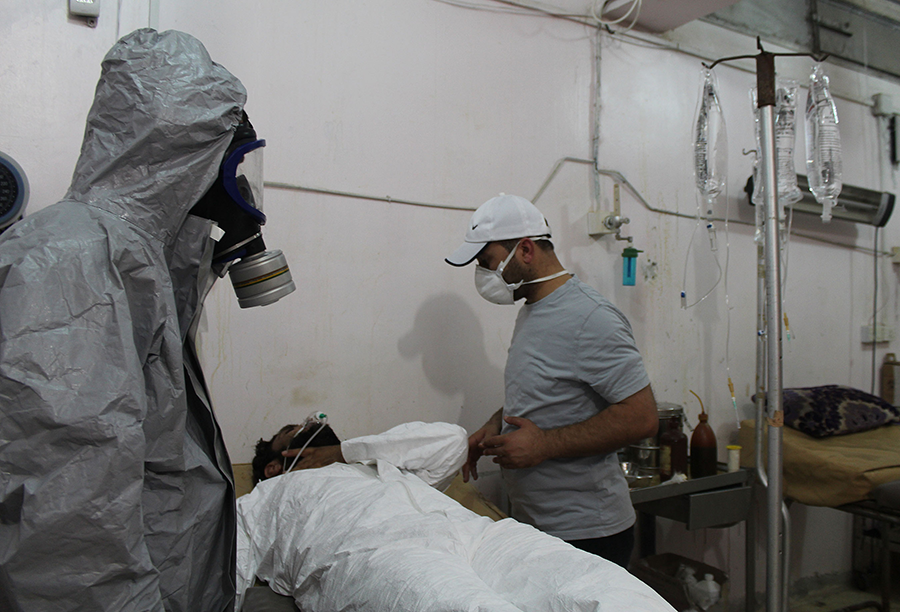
column 374, row 534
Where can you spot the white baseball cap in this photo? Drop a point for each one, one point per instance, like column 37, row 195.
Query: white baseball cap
column 504, row 217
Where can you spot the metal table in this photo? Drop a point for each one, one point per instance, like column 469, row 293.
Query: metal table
column 716, row 501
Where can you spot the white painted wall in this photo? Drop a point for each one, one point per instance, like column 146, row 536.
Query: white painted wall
column 423, row 101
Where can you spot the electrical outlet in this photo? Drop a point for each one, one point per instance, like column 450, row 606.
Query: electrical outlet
column 895, row 255
column 876, row 333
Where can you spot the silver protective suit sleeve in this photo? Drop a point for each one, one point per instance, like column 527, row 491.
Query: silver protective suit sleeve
column 115, row 488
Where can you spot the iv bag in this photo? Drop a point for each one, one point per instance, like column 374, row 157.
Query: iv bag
column 823, row 143
column 785, row 131
column 710, row 143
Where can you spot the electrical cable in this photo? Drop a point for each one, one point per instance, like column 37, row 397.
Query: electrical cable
column 875, row 313
column 635, row 8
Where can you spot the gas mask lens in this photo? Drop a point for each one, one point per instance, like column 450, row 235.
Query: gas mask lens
column 243, row 178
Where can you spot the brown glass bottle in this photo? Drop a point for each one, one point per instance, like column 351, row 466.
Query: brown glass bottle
column 704, row 455
column 672, row 451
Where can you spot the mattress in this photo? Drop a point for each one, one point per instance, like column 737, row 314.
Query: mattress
column 831, row 471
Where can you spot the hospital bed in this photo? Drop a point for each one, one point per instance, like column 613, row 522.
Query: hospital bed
column 262, row 599
column 858, row 473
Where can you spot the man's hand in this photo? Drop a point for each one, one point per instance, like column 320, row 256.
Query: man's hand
column 470, row 467
column 525, row 447
column 316, row 457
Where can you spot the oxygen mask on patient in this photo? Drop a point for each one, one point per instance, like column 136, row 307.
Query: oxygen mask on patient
column 314, row 423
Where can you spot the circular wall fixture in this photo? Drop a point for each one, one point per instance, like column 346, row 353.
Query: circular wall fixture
column 13, row 191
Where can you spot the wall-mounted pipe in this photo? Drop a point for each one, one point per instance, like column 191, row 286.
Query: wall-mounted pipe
column 360, row 196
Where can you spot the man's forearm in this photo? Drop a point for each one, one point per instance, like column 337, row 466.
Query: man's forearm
column 621, row 424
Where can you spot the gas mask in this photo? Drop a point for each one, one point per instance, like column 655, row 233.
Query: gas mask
column 234, row 202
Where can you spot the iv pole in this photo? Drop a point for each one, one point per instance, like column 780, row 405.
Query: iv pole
column 769, row 347
column 775, row 578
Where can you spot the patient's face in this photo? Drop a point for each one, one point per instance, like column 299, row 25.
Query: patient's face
column 282, row 441
column 296, row 437
column 284, row 437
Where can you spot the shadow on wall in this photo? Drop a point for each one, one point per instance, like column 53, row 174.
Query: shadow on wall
column 448, row 337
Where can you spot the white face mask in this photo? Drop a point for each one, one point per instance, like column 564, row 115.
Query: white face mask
column 492, row 287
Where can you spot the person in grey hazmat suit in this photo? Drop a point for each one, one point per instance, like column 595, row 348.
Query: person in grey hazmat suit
column 116, row 491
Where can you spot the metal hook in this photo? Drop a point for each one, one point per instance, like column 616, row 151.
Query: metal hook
column 817, row 57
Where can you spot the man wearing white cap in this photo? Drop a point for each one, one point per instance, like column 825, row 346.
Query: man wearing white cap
column 576, row 387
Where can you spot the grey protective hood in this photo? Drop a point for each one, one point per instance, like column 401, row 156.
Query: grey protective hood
column 116, row 490
column 163, row 116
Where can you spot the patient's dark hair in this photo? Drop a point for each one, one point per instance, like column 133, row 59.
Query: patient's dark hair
column 265, row 454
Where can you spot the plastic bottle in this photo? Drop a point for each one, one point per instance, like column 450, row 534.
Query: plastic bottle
column 705, row 593
column 672, row 451
column 824, row 165
column 704, row 455
column 710, row 144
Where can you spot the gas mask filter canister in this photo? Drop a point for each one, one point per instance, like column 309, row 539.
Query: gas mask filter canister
column 261, row 279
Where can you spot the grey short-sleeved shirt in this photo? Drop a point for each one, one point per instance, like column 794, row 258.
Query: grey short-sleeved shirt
column 572, row 355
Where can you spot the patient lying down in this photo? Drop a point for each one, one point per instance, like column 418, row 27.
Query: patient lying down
column 369, row 531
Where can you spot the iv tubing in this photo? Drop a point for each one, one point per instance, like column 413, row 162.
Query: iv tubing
column 687, row 254
column 787, row 245
column 728, row 320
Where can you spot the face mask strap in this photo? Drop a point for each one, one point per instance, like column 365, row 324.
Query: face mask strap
column 546, row 278
column 508, row 259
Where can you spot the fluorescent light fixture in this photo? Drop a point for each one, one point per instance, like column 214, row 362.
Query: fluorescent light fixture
column 856, row 204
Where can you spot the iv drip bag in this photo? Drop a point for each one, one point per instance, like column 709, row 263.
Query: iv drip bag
column 785, row 136
column 710, row 143
column 785, row 132
column 823, row 143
